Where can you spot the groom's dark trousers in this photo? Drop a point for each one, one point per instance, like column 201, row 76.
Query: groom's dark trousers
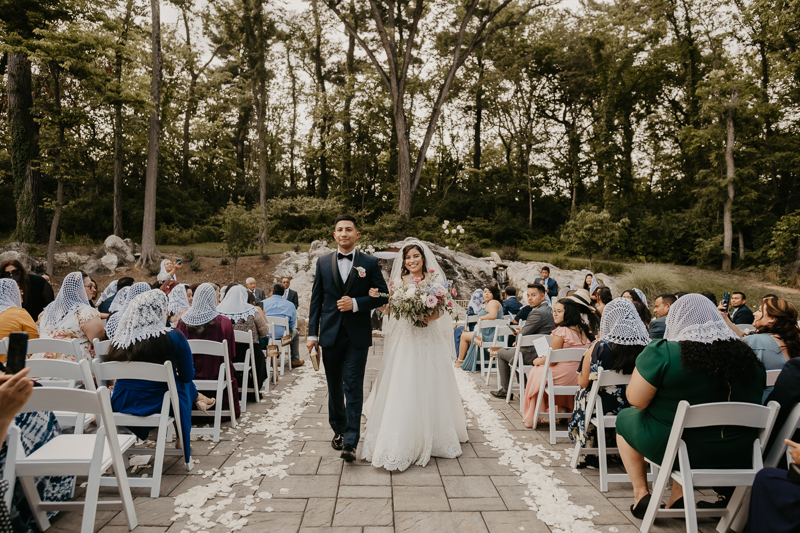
column 345, row 336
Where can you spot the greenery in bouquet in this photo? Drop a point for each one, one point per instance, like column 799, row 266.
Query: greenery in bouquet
column 420, row 298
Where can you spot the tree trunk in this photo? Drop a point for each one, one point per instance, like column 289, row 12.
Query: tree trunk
column 324, row 120
column 150, row 252
column 241, row 138
column 51, row 244
column 403, row 162
column 293, row 130
column 727, row 224
column 574, row 155
column 260, row 97
column 476, row 155
column 349, row 94
column 741, row 244
column 24, row 149
column 118, row 125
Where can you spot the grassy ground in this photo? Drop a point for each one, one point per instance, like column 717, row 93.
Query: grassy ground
column 217, row 249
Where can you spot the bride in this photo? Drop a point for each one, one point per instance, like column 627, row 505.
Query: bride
column 414, row 410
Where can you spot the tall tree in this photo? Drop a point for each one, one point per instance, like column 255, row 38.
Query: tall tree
column 150, row 252
column 118, row 149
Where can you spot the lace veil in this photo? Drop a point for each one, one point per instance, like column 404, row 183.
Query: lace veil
column 695, row 318
column 441, row 326
column 9, row 294
column 109, row 291
column 620, row 324
column 204, row 306
column 642, row 296
column 123, row 299
column 71, row 297
column 235, row 306
column 120, row 300
column 145, row 318
column 178, row 299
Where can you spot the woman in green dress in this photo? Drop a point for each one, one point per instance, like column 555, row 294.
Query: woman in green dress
column 701, row 361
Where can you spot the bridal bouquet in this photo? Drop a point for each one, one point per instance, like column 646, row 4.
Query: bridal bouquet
column 422, row 297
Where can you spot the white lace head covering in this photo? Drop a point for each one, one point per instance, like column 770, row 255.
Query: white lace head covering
column 145, row 318
column 125, row 296
column 9, row 294
column 178, row 299
column 164, row 271
column 71, row 297
column 109, row 291
column 476, row 301
column 204, row 306
column 444, row 324
column 593, row 285
column 620, row 324
column 120, row 300
column 235, row 305
column 695, row 318
column 642, row 297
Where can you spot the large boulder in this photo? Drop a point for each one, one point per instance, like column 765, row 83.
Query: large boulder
column 20, row 252
column 301, row 268
column 114, row 253
column 521, row 274
column 70, row 258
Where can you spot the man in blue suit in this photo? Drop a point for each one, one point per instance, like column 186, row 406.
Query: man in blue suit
column 339, row 322
column 550, row 285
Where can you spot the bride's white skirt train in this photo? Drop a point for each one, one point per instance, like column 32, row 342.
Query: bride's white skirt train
column 414, row 410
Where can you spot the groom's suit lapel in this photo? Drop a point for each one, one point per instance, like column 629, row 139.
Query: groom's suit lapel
column 337, row 277
column 353, row 273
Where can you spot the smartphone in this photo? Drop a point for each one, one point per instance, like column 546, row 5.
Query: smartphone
column 179, row 261
column 726, row 300
column 17, row 350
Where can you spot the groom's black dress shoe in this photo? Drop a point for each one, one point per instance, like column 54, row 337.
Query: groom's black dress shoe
column 349, row 453
column 338, row 442
column 500, row 394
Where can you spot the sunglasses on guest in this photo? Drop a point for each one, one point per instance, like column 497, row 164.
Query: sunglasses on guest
column 16, row 273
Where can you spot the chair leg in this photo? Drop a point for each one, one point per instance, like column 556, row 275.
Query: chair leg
column 538, row 406
column 655, row 499
column 551, row 406
column 254, row 373
column 158, row 459
column 218, row 410
column 246, row 380
column 738, row 508
column 576, row 455
column 602, row 452
column 92, row 495
column 32, row 495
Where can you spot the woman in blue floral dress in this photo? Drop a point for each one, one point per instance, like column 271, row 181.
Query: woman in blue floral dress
column 622, row 338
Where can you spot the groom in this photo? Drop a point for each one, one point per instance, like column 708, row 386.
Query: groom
column 339, row 322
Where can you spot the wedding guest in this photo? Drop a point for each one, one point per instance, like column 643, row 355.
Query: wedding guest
column 622, row 338
column 680, row 294
column 591, row 285
column 710, row 296
column 142, row 336
column 491, row 310
column 775, row 500
column 178, row 302
column 549, row 283
column 474, row 307
column 570, row 315
column 35, row 290
column 258, row 294
column 275, row 305
column 124, row 297
column 539, row 321
column 169, row 270
column 202, row 321
column 702, row 361
column 604, row 298
column 70, row 316
column 637, row 296
column 110, row 293
column 778, row 336
column 741, row 314
column 289, row 294
column 661, row 308
column 244, row 316
column 511, row 305
column 12, row 316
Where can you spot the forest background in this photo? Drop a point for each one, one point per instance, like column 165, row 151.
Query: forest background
column 650, row 130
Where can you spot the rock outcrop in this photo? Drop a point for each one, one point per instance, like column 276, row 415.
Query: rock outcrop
column 521, row 274
column 20, row 252
column 114, row 253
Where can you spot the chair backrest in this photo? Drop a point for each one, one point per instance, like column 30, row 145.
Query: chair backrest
column 791, row 425
column 244, row 337
column 486, row 324
column 472, row 319
column 63, row 399
column 72, row 347
column 772, row 377
column 101, row 348
column 62, row 370
column 607, row 378
column 565, row 354
column 278, row 321
column 198, row 346
column 725, row 414
column 4, row 346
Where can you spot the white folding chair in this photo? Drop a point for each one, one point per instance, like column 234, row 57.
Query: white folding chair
column 248, row 368
column 772, row 377
column 705, row 415
column 541, row 344
column 488, row 343
column 220, row 385
column 501, row 331
column 71, row 347
column 162, row 421
column 68, row 375
column 547, row 386
column 274, row 321
column 471, row 319
column 75, row 455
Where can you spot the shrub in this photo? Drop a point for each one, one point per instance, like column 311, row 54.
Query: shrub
column 194, row 266
column 153, row 269
column 473, row 248
column 189, row 256
column 593, row 233
column 509, row 253
column 546, row 243
column 239, row 230
column 296, row 247
column 652, row 279
column 224, row 261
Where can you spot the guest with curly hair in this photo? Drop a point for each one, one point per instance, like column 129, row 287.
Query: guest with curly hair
column 700, row 360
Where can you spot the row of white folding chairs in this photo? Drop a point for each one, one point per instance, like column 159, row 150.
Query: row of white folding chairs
column 541, row 343
column 273, row 322
column 498, row 340
column 72, row 455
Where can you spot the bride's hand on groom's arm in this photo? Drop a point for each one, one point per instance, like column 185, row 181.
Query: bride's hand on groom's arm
column 374, row 293
column 430, row 318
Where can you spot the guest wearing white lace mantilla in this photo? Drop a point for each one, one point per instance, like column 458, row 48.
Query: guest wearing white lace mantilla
column 178, row 303
column 124, row 297
column 246, row 317
column 12, row 316
column 69, row 317
column 169, row 270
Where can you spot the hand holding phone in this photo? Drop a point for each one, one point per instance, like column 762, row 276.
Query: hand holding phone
column 15, row 390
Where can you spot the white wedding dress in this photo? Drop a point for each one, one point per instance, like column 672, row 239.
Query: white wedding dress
column 414, row 410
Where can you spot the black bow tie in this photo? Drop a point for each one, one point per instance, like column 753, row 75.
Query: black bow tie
column 341, row 256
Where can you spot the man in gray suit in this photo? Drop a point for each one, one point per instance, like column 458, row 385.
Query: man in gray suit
column 258, row 294
column 661, row 308
column 539, row 322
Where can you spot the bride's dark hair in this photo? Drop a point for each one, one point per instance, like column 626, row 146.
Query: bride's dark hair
column 404, row 271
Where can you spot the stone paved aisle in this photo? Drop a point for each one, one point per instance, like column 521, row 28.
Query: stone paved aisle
column 291, row 480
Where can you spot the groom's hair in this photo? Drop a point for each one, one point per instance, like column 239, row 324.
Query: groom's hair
column 347, row 218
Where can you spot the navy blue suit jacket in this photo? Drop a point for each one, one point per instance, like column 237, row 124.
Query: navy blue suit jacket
column 325, row 319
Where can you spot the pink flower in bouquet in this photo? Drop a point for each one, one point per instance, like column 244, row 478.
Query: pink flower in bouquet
column 432, row 301
column 416, row 280
column 450, row 304
column 431, row 270
column 391, row 283
column 455, row 292
column 439, row 292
